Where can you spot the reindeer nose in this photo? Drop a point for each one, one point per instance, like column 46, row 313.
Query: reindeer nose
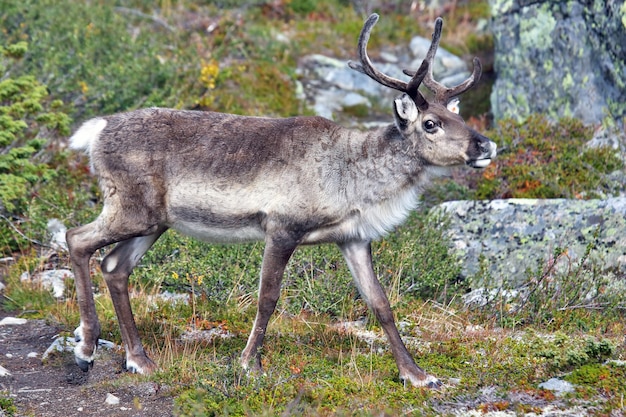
column 486, row 146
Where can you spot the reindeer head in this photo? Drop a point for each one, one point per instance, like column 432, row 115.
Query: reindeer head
column 433, row 125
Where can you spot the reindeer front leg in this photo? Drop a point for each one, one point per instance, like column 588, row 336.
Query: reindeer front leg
column 358, row 255
column 278, row 249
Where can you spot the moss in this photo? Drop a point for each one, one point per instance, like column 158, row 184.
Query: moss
column 7, row 405
column 605, row 380
column 548, row 65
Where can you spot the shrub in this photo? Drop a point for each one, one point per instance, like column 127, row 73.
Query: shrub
column 95, row 56
column 540, row 159
column 28, row 119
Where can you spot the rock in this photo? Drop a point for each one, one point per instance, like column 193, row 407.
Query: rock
column 57, row 231
column 445, row 65
column 12, row 321
column 4, row 371
column 210, row 335
column 559, row 58
column 67, row 344
column 557, row 385
column 112, row 399
column 513, row 236
column 53, row 280
column 331, row 87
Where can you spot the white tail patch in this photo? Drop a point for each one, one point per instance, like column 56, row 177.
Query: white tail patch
column 87, row 134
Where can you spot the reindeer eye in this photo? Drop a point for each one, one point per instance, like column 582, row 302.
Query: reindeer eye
column 430, row 126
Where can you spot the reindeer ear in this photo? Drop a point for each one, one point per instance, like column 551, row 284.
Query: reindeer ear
column 453, row 106
column 406, row 108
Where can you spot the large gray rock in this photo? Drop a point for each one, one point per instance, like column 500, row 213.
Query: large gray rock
column 513, row 236
column 560, row 58
column 330, row 87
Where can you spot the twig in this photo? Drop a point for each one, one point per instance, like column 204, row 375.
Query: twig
column 36, row 242
column 155, row 19
column 587, row 306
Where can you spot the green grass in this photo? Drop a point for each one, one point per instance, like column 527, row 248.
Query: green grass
column 7, row 405
column 312, row 366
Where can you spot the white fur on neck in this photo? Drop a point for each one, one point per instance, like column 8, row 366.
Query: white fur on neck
column 380, row 219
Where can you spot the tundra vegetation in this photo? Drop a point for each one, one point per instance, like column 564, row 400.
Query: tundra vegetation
column 61, row 63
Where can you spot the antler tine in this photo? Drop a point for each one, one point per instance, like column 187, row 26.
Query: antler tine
column 467, row 84
column 429, row 81
column 416, row 80
column 366, row 66
column 442, row 93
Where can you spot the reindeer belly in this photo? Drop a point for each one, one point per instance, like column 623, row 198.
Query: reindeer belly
column 215, row 227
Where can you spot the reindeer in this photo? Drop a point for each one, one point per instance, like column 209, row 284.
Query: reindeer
column 287, row 181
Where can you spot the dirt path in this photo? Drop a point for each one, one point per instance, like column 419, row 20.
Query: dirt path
column 59, row 388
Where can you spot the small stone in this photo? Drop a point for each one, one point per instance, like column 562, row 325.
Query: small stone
column 354, row 99
column 12, row 321
column 454, row 381
column 558, row 386
column 4, row 371
column 53, row 280
column 112, row 399
column 57, row 230
column 33, row 355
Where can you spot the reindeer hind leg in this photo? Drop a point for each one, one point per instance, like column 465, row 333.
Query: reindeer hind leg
column 116, row 268
column 83, row 241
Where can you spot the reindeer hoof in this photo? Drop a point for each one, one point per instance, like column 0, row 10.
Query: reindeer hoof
column 426, row 381
column 83, row 360
column 436, row 384
column 252, row 367
column 143, row 365
column 132, row 368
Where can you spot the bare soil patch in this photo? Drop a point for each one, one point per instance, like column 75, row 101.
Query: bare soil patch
column 57, row 387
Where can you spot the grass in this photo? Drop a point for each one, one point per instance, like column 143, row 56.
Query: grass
column 315, row 367
column 7, row 405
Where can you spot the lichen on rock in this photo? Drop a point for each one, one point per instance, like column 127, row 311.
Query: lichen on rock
column 559, row 58
column 514, row 236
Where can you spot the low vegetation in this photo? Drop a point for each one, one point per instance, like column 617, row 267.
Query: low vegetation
column 61, row 64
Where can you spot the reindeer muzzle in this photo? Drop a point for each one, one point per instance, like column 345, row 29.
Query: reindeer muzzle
column 489, row 151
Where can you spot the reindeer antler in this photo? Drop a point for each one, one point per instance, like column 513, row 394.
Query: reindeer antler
column 366, row 67
column 442, row 93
